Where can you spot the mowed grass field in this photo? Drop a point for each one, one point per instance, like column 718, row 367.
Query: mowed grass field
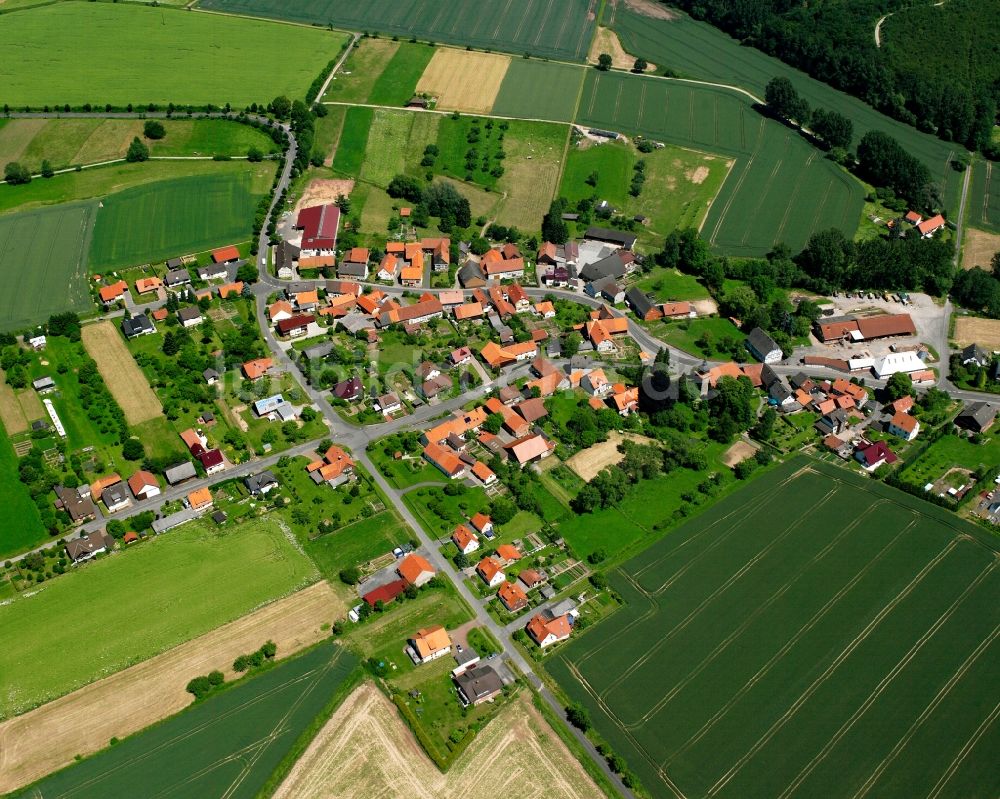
column 228, row 745
column 154, row 596
column 66, row 142
column 780, row 189
column 149, row 223
column 138, row 54
column 122, row 376
column 539, row 90
column 540, row 27
column 22, row 528
column 697, row 50
column 817, row 634
column 43, row 263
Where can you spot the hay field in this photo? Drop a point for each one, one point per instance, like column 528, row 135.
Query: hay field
column 978, row 248
column 366, row 750
column 228, row 745
column 815, row 634
column 588, row 463
column 463, row 80
column 48, row 738
column 154, row 596
column 974, row 330
column 12, row 415
column 124, row 378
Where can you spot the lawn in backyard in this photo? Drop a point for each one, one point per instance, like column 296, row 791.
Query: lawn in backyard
column 40, row 250
column 669, row 284
column 202, row 751
column 196, row 577
column 148, row 223
column 763, row 653
column 704, row 336
column 139, row 54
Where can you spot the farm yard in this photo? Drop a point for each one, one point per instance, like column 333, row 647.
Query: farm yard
column 122, row 376
column 560, row 30
column 780, row 189
column 228, row 745
column 701, row 52
column 246, row 565
column 149, row 223
column 464, row 81
column 41, row 249
column 49, row 737
column 136, row 55
column 67, row 142
column 366, row 750
column 858, row 669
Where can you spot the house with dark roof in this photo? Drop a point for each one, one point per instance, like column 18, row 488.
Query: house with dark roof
column 478, row 685
column 215, row 271
column 977, row 417
column 79, row 506
column 138, row 325
column 764, row 348
column 641, row 305
column 176, row 277
column 871, row 456
column 612, row 266
column 348, row 390
column 976, row 355
column 260, row 484
column 619, row 237
column 81, row 549
column 190, row 316
column 471, row 276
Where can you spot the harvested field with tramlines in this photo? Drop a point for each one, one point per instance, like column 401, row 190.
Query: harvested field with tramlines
column 780, row 189
column 366, row 750
column 975, row 330
column 124, row 378
column 463, row 80
column 228, row 745
column 48, row 738
column 540, row 27
column 815, row 634
column 978, row 248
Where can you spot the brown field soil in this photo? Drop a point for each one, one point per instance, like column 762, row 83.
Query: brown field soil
column 705, row 307
column 463, row 80
column 606, row 41
column 588, row 463
column 650, row 8
column 979, row 248
column 13, row 418
column 323, row 190
column 83, row 722
column 15, row 138
column 739, row 451
column 124, row 379
column 972, row 330
column 366, row 750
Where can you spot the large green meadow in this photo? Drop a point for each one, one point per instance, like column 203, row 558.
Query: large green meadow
column 697, row 50
column 780, row 189
column 237, row 743
column 124, row 53
column 105, row 616
column 39, row 250
column 22, row 527
column 816, row 633
column 149, row 223
column 540, row 27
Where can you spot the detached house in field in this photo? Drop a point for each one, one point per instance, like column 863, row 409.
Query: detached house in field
column 477, row 685
column 334, row 469
column 138, row 325
column 87, row 547
column 546, row 629
column 260, row 485
column 111, row 294
column 429, row 644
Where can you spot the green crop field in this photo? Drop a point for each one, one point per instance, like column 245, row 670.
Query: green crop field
column 984, row 197
column 554, row 29
column 385, row 154
column 137, row 54
column 155, row 595
column 38, row 250
column 66, row 142
column 22, row 527
column 228, row 745
column 781, row 189
column 350, row 152
column 669, row 284
column 697, row 50
column 816, row 634
column 148, row 223
column 398, row 80
column 539, row 90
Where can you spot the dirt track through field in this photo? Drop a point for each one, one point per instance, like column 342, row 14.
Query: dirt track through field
column 366, row 750
column 589, row 463
column 606, row 41
column 84, row 721
column 122, row 375
column 462, row 80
